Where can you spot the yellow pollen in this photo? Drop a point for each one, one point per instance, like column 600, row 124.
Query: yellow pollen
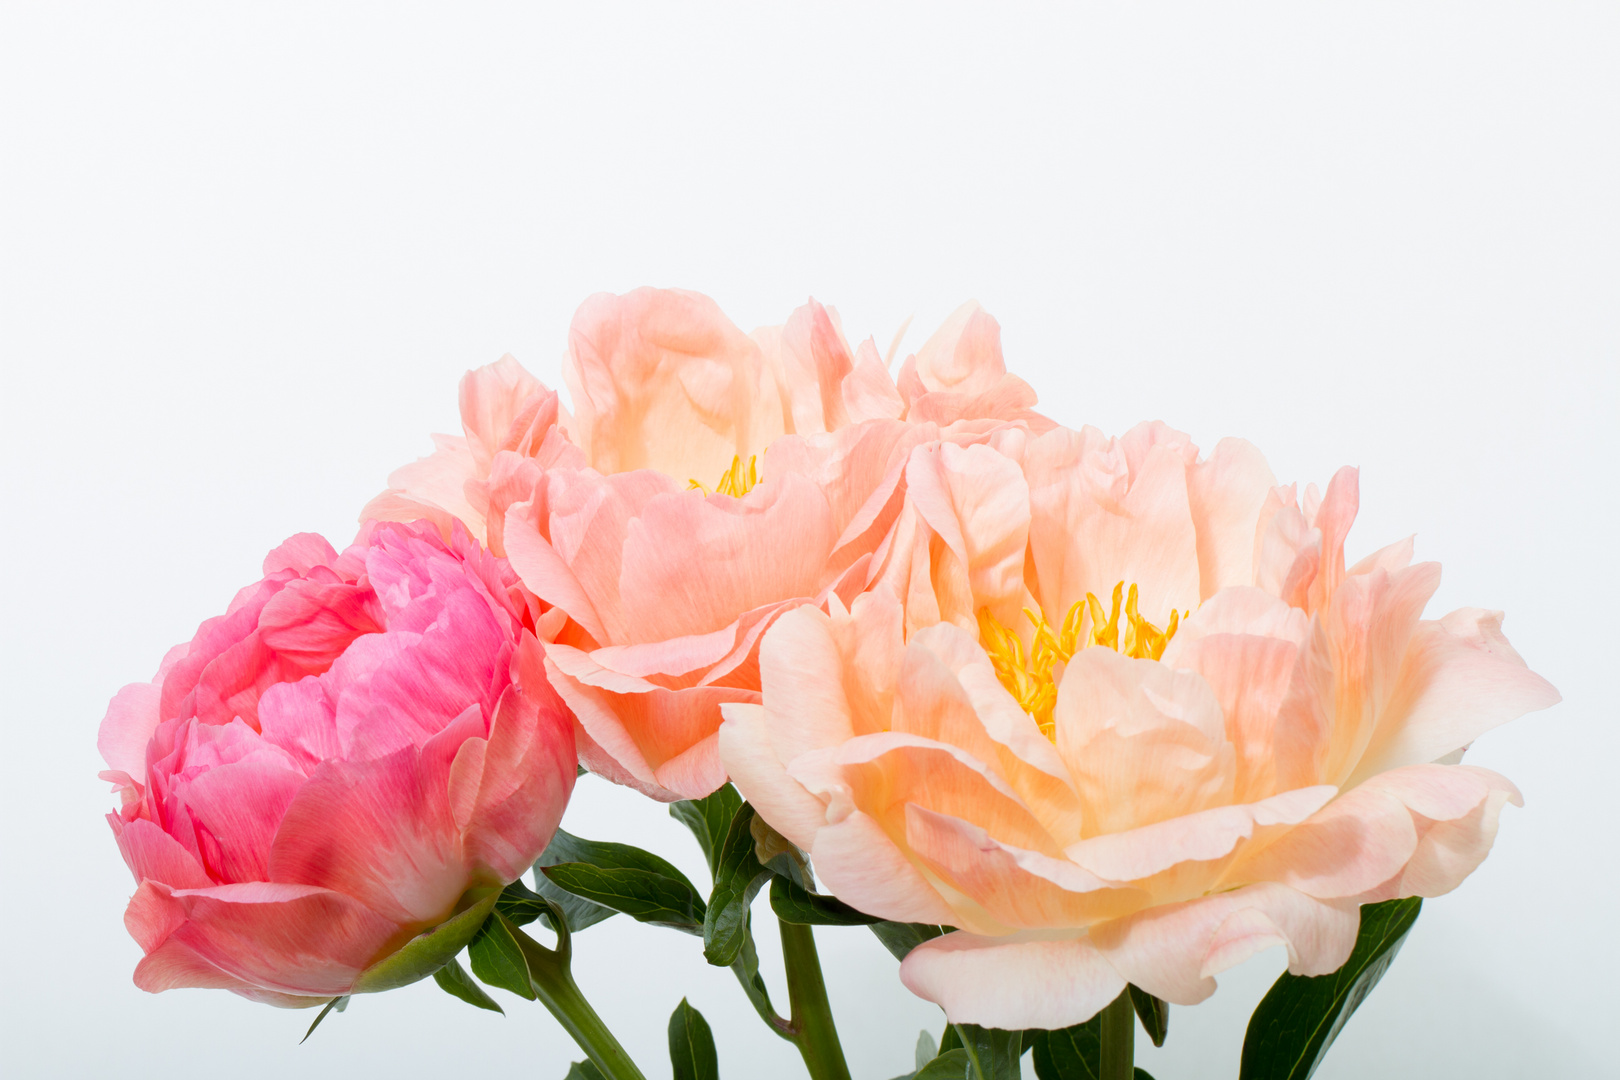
column 736, row 481
column 1032, row 683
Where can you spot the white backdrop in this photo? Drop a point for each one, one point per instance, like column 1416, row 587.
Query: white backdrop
column 245, row 256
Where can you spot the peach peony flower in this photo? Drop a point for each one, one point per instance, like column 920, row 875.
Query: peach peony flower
column 1123, row 715
column 707, row 481
column 363, row 746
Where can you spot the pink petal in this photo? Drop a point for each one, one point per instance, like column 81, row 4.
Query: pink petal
column 132, row 717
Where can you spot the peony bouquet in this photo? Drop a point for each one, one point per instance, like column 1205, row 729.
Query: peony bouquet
column 1072, row 723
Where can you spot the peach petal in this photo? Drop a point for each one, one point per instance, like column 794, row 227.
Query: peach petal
column 1172, row 951
column 752, row 763
column 1020, row 982
column 863, row 867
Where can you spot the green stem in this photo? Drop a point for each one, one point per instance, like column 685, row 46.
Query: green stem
column 554, row 983
column 1118, row 1056
column 814, row 1033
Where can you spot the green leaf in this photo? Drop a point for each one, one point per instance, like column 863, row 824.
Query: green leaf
column 901, row 937
column 992, row 1052
column 709, row 818
column 498, row 960
column 430, row 950
column 522, row 905
column 337, row 1004
column 738, row 877
column 691, row 1045
column 927, row 1048
column 579, row 912
column 643, row 895
column 1298, row 1019
column 620, row 877
column 746, row 968
column 1072, row 1053
column 795, row 905
column 454, row 980
column 1153, row 1012
column 951, row 1065
column 584, row 1070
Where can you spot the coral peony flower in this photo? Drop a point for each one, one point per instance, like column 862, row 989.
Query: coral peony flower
column 361, row 748
column 1122, row 715
column 708, row 481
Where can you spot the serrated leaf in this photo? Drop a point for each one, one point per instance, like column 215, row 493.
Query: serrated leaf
column 1300, row 1016
column 993, row 1053
column 950, row 1065
column 738, row 877
column 691, row 1045
column 901, row 937
column 795, row 905
column 584, row 1070
column 709, row 818
column 1154, row 1013
column 579, row 912
column 337, row 1004
column 498, row 960
column 428, row 951
column 454, row 980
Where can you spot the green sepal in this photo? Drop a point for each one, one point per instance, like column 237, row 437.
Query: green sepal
column 454, row 980
column 430, row 950
column 795, row 905
column 901, row 937
column 1153, row 1012
column 691, row 1045
column 1300, row 1016
column 498, row 960
column 620, row 877
column 738, row 877
column 337, row 1004
column 709, row 818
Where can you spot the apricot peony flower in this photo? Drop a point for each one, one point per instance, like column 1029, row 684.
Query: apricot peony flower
column 1123, row 715
column 707, row 481
column 361, row 748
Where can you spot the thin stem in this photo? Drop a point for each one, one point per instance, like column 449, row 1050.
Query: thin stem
column 1118, row 1055
column 554, row 983
column 813, row 1028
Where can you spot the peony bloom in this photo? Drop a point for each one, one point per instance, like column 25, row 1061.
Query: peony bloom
column 361, row 748
column 708, row 481
column 1123, row 715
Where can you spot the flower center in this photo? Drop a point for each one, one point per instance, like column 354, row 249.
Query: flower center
column 1032, row 682
column 736, row 481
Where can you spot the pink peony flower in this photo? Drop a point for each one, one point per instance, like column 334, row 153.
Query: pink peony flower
column 708, row 481
column 361, row 748
column 1123, row 715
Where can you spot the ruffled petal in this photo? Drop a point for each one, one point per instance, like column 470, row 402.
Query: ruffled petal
column 1012, row 982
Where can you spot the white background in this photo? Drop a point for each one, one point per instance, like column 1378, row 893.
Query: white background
column 245, row 256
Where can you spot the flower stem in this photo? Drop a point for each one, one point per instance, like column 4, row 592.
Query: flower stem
column 1118, row 1055
column 814, row 1033
column 554, row 983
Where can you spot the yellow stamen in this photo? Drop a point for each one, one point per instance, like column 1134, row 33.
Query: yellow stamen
column 1033, row 684
column 736, row 481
